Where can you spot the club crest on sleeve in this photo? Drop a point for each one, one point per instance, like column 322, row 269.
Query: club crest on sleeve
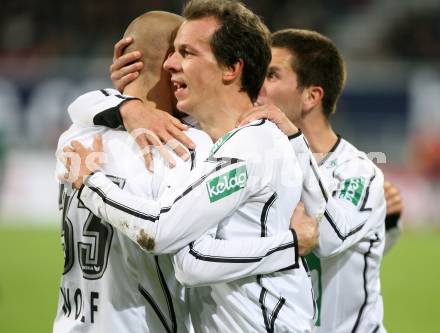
column 232, row 181
column 352, row 190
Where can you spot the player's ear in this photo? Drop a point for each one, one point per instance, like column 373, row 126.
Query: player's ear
column 312, row 97
column 231, row 73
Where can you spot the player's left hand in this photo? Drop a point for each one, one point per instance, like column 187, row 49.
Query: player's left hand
column 271, row 112
column 81, row 161
column 393, row 199
column 125, row 67
column 306, row 228
column 152, row 127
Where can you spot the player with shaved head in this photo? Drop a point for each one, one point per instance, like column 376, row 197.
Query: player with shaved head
column 108, row 284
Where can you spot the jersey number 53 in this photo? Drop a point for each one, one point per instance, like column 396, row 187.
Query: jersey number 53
column 84, row 236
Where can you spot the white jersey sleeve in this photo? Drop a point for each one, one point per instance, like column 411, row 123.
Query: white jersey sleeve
column 212, row 192
column 358, row 198
column 98, row 107
column 91, row 107
column 209, row 260
column 179, row 218
column 314, row 193
column 358, row 195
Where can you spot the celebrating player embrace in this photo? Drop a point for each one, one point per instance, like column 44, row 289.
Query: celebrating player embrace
column 234, row 217
column 243, row 193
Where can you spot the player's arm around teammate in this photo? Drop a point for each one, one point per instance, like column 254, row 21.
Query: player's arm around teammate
column 142, row 219
column 345, row 217
column 207, row 258
column 248, row 257
column 149, row 125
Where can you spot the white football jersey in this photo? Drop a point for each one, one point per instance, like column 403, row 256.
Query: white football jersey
column 108, row 283
column 208, row 259
column 247, row 188
column 345, row 267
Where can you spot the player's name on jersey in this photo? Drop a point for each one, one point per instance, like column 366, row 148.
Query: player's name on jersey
column 74, row 304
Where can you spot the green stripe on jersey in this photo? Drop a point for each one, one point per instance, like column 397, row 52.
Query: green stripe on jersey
column 316, row 275
column 220, row 143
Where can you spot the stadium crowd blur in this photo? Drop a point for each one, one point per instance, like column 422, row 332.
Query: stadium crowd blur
column 52, row 51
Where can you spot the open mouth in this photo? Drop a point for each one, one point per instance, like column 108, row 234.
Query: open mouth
column 179, row 87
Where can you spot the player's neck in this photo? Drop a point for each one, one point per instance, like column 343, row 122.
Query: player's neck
column 157, row 97
column 318, row 131
column 223, row 114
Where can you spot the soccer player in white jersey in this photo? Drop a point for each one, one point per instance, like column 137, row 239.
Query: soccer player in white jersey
column 250, row 179
column 305, row 79
column 108, row 284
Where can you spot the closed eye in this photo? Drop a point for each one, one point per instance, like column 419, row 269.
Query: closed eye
column 184, row 52
column 272, row 75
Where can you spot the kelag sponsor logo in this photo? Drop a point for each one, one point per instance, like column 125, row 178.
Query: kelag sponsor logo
column 226, row 184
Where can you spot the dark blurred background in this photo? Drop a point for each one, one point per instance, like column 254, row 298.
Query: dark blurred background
column 52, row 51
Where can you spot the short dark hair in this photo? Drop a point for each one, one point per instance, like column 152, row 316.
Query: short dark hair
column 242, row 35
column 317, row 62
